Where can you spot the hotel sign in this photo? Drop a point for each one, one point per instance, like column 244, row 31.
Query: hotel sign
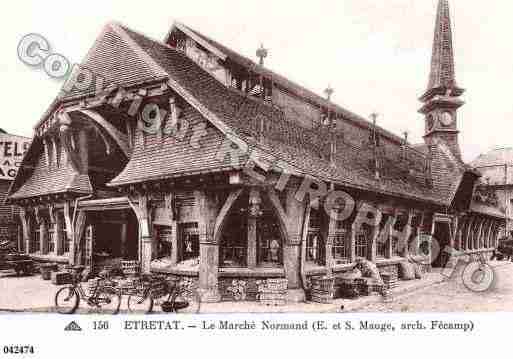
column 12, row 150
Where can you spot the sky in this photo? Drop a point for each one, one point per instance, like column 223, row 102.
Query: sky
column 374, row 53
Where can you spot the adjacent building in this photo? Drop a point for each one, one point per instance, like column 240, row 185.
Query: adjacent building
column 198, row 162
column 12, row 149
column 496, row 184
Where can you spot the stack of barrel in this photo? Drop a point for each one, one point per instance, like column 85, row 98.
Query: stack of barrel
column 390, row 280
column 322, row 289
column 273, row 291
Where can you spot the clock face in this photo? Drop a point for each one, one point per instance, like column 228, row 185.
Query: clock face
column 446, row 119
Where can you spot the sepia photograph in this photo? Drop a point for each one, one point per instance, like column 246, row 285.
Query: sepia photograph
column 332, row 157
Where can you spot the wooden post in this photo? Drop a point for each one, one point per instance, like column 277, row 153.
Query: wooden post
column 468, row 237
column 209, row 247
column 141, row 211
column 169, row 202
column 52, row 226
column 480, row 240
column 404, row 242
column 124, row 237
column 294, row 224
column 69, row 234
column 43, row 243
column 77, row 242
column 390, row 247
column 374, row 238
column 477, row 237
column 254, row 208
column 59, row 236
column 459, row 234
column 352, row 243
column 489, row 235
column 26, row 230
column 330, row 238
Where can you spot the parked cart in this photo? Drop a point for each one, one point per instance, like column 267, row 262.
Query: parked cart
column 10, row 259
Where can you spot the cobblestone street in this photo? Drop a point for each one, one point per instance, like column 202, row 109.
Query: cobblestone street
column 453, row 296
column 432, row 294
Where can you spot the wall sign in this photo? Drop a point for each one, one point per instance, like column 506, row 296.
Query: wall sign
column 12, row 150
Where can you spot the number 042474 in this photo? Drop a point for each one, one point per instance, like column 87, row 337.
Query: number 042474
column 18, row 349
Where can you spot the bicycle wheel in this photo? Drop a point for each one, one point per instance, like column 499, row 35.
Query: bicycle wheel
column 140, row 304
column 66, row 300
column 109, row 299
column 186, row 301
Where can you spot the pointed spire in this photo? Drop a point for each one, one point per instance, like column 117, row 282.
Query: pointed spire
column 442, row 76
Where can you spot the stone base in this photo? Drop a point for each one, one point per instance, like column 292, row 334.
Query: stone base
column 295, row 296
column 210, row 295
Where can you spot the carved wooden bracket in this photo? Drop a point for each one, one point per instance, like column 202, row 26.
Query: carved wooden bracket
column 23, row 213
column 291, row 220
column 37, row 215
column 68, row 220
column 51, row 213
column 140, row 207
column 67, row 143
column 207, row 206
column 170, row 204
column 223, row 213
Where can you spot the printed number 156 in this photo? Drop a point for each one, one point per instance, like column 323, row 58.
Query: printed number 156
column 101, row 325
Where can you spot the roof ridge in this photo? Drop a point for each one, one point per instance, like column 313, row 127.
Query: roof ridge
column 317, row 98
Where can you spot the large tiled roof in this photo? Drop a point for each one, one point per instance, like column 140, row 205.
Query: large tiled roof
column 123, row 56
column 238, row 115
column 155, row 159
column 112, row 59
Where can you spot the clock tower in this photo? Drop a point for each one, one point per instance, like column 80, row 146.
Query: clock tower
column 442, row 97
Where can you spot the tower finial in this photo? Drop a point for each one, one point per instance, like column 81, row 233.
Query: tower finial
column 442, row 99
column 329, row 92
column 442, row 78
column 262, row 54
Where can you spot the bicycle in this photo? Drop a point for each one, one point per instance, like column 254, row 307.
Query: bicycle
column 105, row 295
column 181, row 297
